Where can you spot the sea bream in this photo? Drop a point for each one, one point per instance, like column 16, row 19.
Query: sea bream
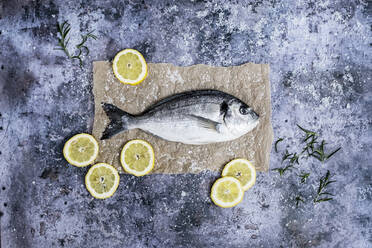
column 194, row 117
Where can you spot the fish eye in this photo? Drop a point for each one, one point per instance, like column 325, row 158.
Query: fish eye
column 244, row 110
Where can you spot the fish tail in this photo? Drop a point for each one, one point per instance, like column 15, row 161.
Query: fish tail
column 119, row 120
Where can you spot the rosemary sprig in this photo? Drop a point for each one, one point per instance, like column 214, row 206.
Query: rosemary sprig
column 276, row 144
column 298, row 200
column 77, row 56
column 283, row 169
column 323, row 183
column 320, row 154
column 286, row 155
column 294, row 158
column 84, row 40
column 304, row 177
column 63, row 31
column 309, row 148
column 311, row 140
column 308, row 133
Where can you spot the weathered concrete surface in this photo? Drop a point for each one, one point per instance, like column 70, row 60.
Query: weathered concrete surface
column 320, row 58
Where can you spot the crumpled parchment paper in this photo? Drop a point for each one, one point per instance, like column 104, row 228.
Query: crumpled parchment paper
column 249, row 82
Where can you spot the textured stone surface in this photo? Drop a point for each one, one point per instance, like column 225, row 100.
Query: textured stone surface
column 319, row 54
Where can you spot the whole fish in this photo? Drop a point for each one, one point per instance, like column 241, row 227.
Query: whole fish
column 194, row 117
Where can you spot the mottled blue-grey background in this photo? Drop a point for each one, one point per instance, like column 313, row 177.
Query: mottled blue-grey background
column 320, row 58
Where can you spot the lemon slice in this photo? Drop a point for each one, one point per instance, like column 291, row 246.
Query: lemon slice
column 137, row 157
column 243, row 170
column 81, row 150
column 130, row 67
column 227, row 192
column 102, row 180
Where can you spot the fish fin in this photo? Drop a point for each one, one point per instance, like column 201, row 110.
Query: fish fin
column 206, row 123
column 118, row 120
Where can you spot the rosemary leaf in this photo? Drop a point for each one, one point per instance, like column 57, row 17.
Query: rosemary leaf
column 286, row 155
column 327, row 175
column 298, row 200
column 63, row 30
column 294, row 158
column 322, row 200
column 332, row 153
column 308, row 137
column 77, row 55
column 276, row 144
column 323, row 183
column 86, row 49
column 326, row 193
column 307, row 131
column 283, row 169
column 304, row 177
column 309, row 148
column 329, row 182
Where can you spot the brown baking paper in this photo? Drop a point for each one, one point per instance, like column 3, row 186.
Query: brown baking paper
column 249, row 82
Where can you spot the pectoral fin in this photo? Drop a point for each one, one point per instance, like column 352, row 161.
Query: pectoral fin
column 206, row 123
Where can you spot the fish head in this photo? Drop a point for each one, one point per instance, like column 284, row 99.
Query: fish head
column 240, row 118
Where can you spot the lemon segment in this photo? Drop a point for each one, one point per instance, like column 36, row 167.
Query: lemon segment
column 227, row 192
column 130, row 67
column 243, row 170
column 137, row 157
column 81, row 150
column 102, row 180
